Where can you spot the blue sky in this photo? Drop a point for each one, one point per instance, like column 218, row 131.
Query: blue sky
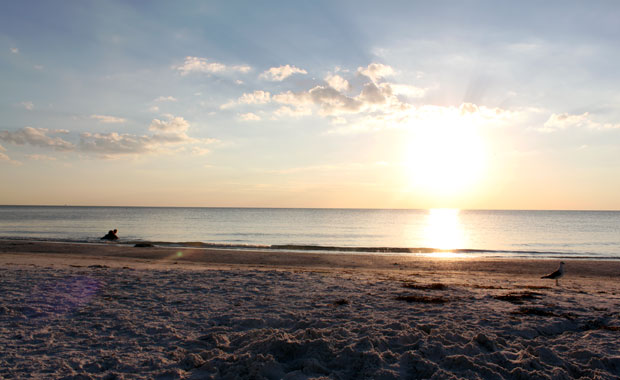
column 311, row 104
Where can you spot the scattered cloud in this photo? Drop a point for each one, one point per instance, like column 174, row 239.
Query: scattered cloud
column 372, row 94
column 378, row 104
column 203, row 65
column 37, row 137
column 407, row 90
column 227, row 105
column 108, row 119
column 293, row 112
column 337, row 82
column 41, row 157
column 165, row 99
column 172, row 130
column 3, row 156
column 166, row 133
column 249, row 117
column 281, row 73
column 257, row 97
column 27, row 105
column 200, row 151
column 14, row 50
column 154, row 108
column 562, row 121
column 329, row 100
column 427, row 116
column 376, row 71
column 111, row 144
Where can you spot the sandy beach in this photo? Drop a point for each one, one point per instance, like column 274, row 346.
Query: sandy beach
column 91, row 311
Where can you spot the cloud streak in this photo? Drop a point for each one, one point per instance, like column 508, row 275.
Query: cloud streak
column 166, row 133
column 108, row 119
column 278, row 74
column 557, row 122
column 37, row 137
column 203, row 65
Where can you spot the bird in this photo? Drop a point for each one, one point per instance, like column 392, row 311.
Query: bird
column 557, row 274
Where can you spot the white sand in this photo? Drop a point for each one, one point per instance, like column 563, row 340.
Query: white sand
column 75, row 318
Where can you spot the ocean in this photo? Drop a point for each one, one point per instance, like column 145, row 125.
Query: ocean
column 510, row 233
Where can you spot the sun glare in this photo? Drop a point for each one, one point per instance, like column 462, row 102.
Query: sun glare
column 443, row 230
column 445, row 153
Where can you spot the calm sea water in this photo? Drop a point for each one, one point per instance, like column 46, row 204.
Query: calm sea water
column 542, row 234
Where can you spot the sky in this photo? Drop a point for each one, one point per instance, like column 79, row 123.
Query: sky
column 352, row 104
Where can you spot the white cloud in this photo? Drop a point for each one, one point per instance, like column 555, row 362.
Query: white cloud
column 36, row 137
column 428, row 116
column 203, row 65
column 249, row 117
column 227, row 105
column 167, row 133
column 294, row 112
column 257, row 97
column 561, row 121
column 5, row 157
column 372, row 94
column 165, row 99
column 331, row 102
column 376, row 71
column 110, row 144
column 108, row 119
column 293, row 99
column 27, row 105
column 281, row 73
column 154, row 109
column 406, row 90
column 337, row 82
column 15, row 50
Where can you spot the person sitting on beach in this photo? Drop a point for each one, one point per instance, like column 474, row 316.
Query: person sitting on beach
column 111, row 235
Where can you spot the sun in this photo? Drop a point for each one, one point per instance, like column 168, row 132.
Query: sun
column 445, row 154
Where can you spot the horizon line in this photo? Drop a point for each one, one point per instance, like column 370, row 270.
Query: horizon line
column 309, row 208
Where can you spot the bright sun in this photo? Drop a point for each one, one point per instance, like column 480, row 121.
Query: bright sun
column 445, row 154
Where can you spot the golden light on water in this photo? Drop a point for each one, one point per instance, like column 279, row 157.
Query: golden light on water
column 444, row 231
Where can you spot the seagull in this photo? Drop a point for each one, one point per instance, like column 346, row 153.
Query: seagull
column 557, row 274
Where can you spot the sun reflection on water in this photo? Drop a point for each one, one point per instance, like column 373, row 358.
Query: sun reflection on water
column 444, row 231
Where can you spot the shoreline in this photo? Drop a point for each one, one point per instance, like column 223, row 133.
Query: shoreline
column 475, row 253
column 213, row 257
